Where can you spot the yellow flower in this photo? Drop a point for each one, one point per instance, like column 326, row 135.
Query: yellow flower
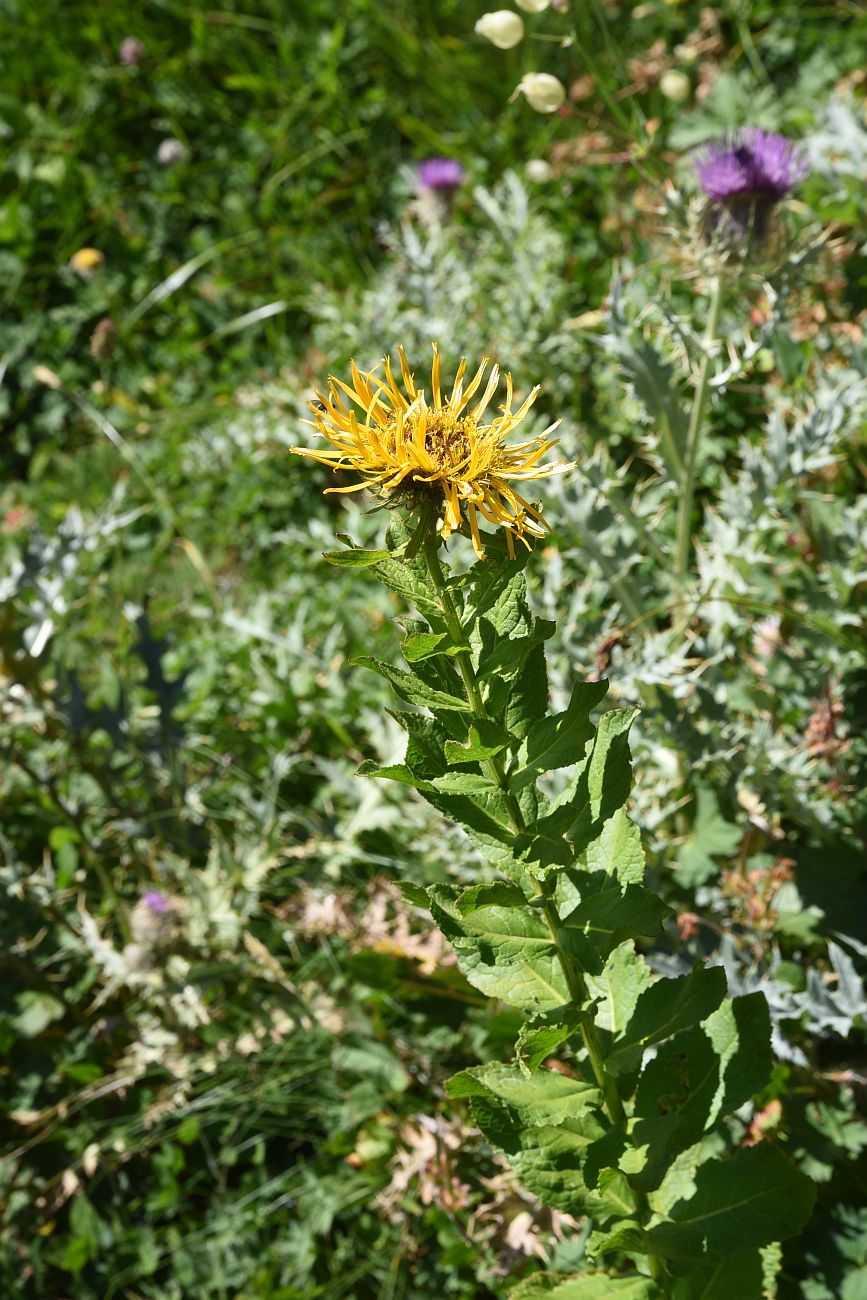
column 86, row 261
column 397, row 440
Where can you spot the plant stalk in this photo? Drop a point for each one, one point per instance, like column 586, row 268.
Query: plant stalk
column 572, row 971
column 693, row 441
column 494, row 766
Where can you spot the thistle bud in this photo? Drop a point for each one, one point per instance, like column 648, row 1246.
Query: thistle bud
column 543, row 92
column 502, row 27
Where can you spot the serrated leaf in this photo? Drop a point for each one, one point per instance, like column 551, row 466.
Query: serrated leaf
column 528, row 697
column 393, row 772
column 749, row 1200
column 425, row 743
column 424, row 645
column 539, row 1037
column 617, row 850
column 485, row 815
column 411, row 689
column 485, row 740
column 410, row 581
column 700, row 1074
column 560, row 740
column 606, row 919
column 464, row 783
column 355, row 558
column 503, row 946
column 547, row 1097
column 599, row 790
column 624, row 978
column 662, row 1009
column 549, row 1162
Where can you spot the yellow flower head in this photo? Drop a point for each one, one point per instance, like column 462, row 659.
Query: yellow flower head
column 398, row 441
column 86, row 261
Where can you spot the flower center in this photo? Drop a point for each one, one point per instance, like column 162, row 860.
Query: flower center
column 448, row 441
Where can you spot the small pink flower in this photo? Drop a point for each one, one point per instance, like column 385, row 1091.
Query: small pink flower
column 131, row 52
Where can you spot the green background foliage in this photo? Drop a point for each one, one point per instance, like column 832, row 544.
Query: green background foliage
column 247, row 1097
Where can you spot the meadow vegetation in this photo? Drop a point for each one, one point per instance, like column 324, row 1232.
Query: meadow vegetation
column 250, row 1046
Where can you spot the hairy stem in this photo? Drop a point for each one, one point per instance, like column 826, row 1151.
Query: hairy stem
column 693, row 441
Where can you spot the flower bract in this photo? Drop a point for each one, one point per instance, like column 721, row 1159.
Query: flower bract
column 437, row 449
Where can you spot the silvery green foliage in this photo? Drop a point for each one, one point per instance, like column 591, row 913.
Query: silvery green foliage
column 775, row 633
column 498, row 289
column 631, row 1127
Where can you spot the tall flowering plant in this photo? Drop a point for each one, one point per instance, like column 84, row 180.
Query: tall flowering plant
column 618, row 1101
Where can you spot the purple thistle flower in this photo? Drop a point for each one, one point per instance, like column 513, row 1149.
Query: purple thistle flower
column 753, row 163
column 440, row 174
column 156, row 902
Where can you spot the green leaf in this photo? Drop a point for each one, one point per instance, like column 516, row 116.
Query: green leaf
column 624, row 978
column 749, row 1200
column 711, row 836
column 485, row 740
column 617, row 850
column 528, row 697
column 549, row 1162
column 424, row 645
column 538, row 1038
column 740, row 1032
column 503, row 945
column 36, row 1011
column 589, row 1286
column 465, row 783
column 484, row 814
column 409, row 688
column 560, row 740
column 409, row 580
column 598, row 791
column 424, row 749
column 547, row 1097
column 394, row 772
column 738, row 1276
column 603, row 921
column 662, row 1009
column 697, row 1076
column 355, row 558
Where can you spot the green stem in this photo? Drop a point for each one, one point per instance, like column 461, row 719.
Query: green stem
column 693, row 440
column 573, row 973
column 494, row 767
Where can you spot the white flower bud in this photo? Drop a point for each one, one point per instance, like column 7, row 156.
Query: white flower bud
column 502, row 28
column 676, row 86
column 543, row 92
column 532, row 6
column 538, row 169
